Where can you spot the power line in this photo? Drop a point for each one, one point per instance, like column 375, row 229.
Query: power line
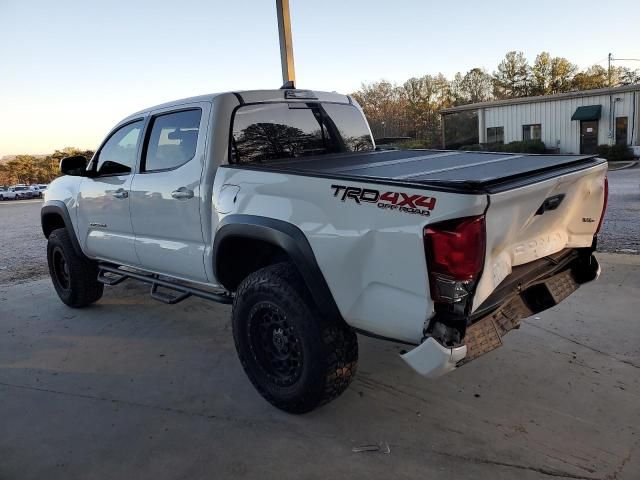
column 611, row 59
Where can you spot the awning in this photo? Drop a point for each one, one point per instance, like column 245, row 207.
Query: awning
column 589, row 112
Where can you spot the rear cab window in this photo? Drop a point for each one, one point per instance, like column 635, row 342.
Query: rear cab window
column 266, row 132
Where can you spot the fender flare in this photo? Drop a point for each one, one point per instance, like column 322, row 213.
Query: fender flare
column 291, row 240
column 58, row 207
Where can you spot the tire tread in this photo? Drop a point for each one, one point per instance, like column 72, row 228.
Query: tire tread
column 339, row 342
column 85, row 288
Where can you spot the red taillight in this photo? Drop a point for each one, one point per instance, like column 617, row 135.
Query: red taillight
column 455, row 256
column 604, row 203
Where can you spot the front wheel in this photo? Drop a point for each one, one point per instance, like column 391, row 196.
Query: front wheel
column 75, row 277
column 296, row 358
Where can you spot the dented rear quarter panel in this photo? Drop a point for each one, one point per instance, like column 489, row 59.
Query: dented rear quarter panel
column 372, row 258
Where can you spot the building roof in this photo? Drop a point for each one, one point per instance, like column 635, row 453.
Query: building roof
column 543, row 98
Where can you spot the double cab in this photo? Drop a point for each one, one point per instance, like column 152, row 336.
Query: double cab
column 279, row 202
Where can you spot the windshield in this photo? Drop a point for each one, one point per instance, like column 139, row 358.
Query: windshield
column 288, row 130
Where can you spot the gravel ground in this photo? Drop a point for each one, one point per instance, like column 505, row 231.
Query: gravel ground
column 23, row 247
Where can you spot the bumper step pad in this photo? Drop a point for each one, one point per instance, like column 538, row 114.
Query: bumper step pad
column 486, row 334
column 561, row 286
column 528, row 298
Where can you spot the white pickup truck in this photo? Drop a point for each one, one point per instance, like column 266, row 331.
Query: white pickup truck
column 8, row 194
column 277, row 201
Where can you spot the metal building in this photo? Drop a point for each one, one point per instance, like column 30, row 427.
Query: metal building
column 574, row 122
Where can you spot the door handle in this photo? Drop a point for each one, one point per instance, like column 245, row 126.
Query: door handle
column 183, row 193
column 121, row 193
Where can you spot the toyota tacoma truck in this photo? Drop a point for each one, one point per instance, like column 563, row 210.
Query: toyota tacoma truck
column 278, row 202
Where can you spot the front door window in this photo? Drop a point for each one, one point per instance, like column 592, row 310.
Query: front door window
column 118, row 155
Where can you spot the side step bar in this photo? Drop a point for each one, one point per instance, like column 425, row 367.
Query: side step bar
column 113, row 275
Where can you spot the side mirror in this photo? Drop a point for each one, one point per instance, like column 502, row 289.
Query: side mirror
column 113, row 168
column 75, row 165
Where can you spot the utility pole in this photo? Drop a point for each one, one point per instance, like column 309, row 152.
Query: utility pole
column 610, row 59
column 286, row 44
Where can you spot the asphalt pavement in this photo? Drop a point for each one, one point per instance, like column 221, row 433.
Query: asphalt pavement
column 621, row 228
column 133, row 389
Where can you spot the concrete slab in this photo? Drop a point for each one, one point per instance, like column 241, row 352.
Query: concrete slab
column 130, row 388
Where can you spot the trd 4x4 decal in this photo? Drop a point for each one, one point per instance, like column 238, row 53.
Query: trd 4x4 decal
column 402, row 202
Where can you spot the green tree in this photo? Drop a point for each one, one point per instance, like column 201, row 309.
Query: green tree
column 476, row 86
column 417, row 93
column 593, row 77
column 383, row 105
column 551, row 75
column 562, row 74
column 422, row 99
column 541, row 74
column 513, row 76
column 626, row 76
column 455, row 93
column 30, row 169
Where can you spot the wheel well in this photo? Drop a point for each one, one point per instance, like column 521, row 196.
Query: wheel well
column 237, row 257
column 51, row 222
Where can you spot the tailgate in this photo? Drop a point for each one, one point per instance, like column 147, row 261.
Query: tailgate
column 538, row 220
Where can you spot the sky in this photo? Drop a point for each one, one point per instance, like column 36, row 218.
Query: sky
column 70, row 69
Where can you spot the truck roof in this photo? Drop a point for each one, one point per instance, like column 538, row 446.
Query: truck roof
column 251, row 96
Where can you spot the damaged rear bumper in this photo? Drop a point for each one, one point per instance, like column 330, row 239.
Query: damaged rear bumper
column 432, row 360
column 529, row 290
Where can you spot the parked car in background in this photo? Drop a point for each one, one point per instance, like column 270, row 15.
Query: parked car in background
column 22, row 192
column 35, row 191
column 7, row 194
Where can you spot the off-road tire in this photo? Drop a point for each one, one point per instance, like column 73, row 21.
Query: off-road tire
column 75, row 277
column 321, row 351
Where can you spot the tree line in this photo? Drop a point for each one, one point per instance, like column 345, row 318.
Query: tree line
column 30, row 169
column 411, row 109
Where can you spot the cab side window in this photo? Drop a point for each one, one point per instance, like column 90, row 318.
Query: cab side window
column 173, row 140
column 118, row 155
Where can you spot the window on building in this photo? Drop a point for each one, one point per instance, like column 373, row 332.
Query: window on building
column 532, row 132
column 173, row 140
column 495, row 135
column 621, row 130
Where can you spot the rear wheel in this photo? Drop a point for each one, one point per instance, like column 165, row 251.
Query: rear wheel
column 295, row 358
column 75, row 277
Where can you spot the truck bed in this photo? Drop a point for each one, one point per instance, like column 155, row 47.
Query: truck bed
column 438, row 169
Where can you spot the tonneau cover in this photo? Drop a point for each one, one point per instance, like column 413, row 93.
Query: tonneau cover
column 459, row 170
